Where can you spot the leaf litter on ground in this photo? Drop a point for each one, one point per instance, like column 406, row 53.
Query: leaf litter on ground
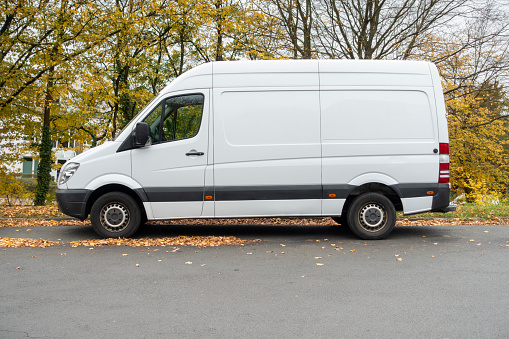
column 259, row 221
column 22, row 242
column 28, row 211
column 198, row 241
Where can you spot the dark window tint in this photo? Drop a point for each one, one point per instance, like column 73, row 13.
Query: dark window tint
column 182, row 117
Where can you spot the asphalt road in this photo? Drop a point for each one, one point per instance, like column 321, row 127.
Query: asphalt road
column 449, row 282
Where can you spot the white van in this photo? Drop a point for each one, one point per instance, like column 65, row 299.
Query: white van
column 354, row 140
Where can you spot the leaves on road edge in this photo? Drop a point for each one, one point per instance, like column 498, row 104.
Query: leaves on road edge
column 22, row 242
column 41, row 223
column 198, row 241
column 259, row 221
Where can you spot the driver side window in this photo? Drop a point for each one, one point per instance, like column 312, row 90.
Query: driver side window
column 181, row 118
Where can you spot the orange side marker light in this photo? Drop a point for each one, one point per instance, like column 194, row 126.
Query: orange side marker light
column 208, row 197
column 430, row 192
column 332, row 195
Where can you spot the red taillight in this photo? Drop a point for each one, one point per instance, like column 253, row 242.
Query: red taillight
column 443, row 176
column 444, row 148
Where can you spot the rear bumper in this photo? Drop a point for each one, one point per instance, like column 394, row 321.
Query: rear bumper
column 441, row 201
column 73, row 202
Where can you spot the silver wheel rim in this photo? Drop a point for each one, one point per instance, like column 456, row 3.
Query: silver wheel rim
column 114, row 217
column 372, row 217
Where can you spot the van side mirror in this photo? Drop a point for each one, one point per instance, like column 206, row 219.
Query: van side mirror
column 141, row 135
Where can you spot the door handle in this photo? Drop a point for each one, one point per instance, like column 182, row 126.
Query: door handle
column 194, row 153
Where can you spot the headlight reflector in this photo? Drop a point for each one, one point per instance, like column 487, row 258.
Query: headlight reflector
column 67, row 172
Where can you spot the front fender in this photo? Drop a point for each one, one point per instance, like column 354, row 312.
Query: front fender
column 109, row 179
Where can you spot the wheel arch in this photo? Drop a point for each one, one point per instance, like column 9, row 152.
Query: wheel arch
column 373, row 187
column 138, row 195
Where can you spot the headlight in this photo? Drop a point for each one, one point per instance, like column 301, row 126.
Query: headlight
column 67, row 172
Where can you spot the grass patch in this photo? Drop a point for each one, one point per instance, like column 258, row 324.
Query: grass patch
column 466, row 211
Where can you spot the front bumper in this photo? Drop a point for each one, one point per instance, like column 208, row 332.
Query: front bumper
column 441, row 200
column 73, row 202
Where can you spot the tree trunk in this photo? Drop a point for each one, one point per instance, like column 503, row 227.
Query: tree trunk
column 219, row 29
column 307, row 22
column 126, row 105
column 182, row 52
column 44, row 169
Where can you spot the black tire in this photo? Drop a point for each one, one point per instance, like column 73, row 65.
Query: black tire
column 115, row 214
column 371, row 216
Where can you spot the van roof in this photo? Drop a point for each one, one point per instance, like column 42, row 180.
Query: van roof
column 305, row 66
column 201, row 76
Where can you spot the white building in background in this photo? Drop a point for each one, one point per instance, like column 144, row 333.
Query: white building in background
column 62, row 151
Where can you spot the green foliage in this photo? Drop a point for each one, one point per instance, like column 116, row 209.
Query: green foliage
column 12, row 189
column 43, row 174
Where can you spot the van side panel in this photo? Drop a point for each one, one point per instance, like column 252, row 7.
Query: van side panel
column 267, row 151
column 377, row 115
column 417, row 205
column 383, row 130
column 352, row 79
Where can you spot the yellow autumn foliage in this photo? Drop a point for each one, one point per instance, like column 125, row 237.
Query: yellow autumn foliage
column 478, row 134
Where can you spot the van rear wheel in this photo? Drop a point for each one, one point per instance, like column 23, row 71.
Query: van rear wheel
column 371, row 216
column 115, row 214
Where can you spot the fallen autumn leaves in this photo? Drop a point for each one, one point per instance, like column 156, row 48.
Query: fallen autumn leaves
column 198, row 241
column 41, row 222
column 28, row 211
column 259, row 221
column 456, row 221
column 21, row 242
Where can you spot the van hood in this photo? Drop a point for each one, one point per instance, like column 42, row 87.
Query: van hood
column 109, row 147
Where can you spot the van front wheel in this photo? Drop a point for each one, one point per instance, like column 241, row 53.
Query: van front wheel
column 371, row 216
column 115, row 214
